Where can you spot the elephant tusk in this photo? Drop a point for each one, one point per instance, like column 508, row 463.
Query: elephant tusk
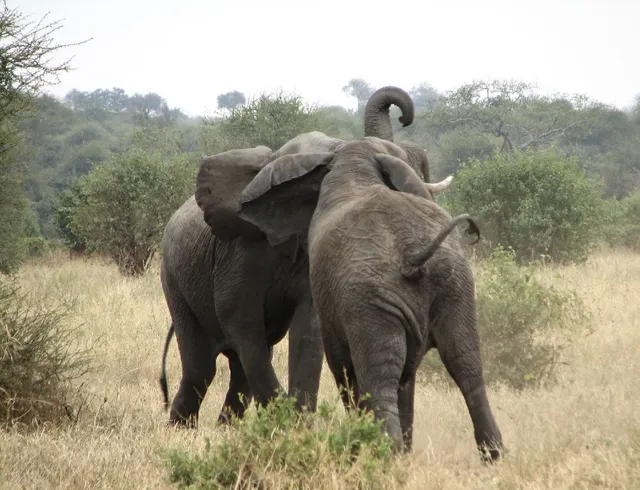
column 439, row 186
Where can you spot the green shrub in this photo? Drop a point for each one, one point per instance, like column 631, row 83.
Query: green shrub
column 523, row 324
column 538, row 203
column 275, row 447
column 121, row 208
column 37, row 363
column 621, row 224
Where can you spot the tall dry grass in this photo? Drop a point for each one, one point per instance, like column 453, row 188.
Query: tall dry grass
column 584, row 433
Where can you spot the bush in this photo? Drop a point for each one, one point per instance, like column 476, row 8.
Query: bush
column 537, row 203
column 37, row 364
column 121, row 208
column 523, row 324
column 275, row 447
column 621, row 224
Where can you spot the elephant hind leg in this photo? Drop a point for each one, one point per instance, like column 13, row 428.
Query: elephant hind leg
column 340, row 365
column 239, row 394
column 406, row 394
column 198, row 357
column 455, row 336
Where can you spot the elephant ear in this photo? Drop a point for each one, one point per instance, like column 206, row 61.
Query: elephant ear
column 398, row 175
column 281, row 199
column 219, row 184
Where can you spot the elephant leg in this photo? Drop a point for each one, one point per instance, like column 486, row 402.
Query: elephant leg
column 241, row 276
column 406, row 394
column 456, row 338
column 198, row 358
column 239, row 394
column 340, row 365
column 305, row 356
column 379, row 349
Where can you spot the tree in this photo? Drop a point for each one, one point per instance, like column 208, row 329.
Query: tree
column 122, row 206
column 231, row 100
column 269, row 120
column 360, row 89
column 474, row 119
column 425, row 97
column 25, row 68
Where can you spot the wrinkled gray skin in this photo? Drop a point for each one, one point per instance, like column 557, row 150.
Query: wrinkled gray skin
column 388, row 280
column 228, row 291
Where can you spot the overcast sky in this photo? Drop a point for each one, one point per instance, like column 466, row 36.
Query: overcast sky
column 190, row 51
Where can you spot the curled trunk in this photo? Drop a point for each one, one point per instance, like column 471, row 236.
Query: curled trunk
column 376, row 114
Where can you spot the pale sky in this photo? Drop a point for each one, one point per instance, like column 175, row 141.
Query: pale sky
column 190, row 51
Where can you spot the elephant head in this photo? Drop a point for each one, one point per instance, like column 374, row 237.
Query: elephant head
column 220, row 181
column 378, row 123
column 223, row 176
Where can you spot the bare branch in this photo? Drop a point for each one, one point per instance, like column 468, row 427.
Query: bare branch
column 548, row 134
column 27, row 64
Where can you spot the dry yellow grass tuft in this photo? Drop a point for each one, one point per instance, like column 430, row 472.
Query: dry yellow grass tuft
column 585, row 433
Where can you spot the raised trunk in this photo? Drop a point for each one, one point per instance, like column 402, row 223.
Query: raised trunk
column 376, row 114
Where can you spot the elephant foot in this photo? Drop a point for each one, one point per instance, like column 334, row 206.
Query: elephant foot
column 227, row 416
column 190, row 422
column 490, row 454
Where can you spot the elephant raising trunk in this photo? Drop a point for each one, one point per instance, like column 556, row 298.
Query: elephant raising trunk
column 376, row 114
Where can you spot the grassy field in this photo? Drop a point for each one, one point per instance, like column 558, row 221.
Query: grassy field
column 585, row 433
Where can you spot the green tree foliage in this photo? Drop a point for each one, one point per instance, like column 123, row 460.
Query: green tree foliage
column 25, row 68
column 621, row 224
column 536, row 202
column 231, row 100
column 360, row 89
column 269, row 120
column 425, row 97
column 478, row 118
column 122, row 206
column 70, row 200
column 64, row 141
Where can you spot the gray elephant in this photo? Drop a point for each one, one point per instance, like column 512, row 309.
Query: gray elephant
column 388, row 280
column 229, row 292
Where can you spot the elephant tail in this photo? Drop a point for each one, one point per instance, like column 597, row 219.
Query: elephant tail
column 163, row 372
column 376, row 113
column 414, row 261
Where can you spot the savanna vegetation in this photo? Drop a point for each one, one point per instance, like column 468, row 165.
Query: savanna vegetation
column 553, row 180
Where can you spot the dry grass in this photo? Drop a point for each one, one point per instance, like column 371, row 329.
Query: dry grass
column 583, row 434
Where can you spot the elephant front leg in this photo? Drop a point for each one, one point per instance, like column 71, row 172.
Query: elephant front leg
column 241, row 278
column 305, row 356
column 239, row 394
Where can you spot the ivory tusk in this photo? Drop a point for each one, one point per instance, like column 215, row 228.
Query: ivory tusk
column 439, row 186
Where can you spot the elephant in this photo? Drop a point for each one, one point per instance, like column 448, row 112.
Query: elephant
column 388, row 275
column 228, row 291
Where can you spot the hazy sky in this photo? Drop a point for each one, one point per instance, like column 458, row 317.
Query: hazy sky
column 190, row 51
